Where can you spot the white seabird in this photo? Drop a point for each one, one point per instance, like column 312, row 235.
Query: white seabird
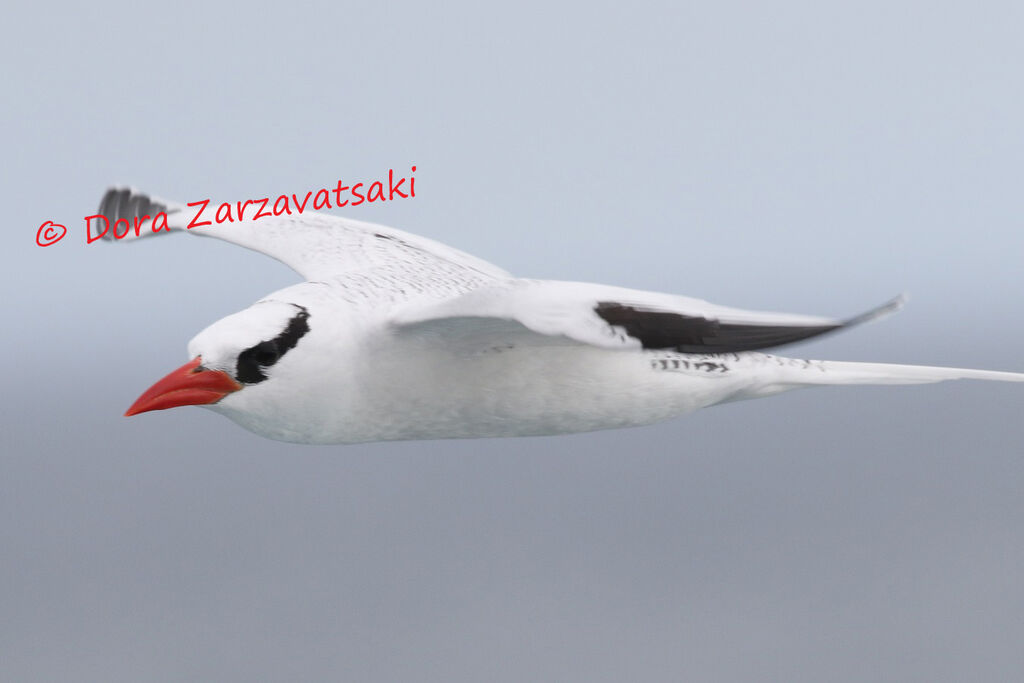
column 394, row 336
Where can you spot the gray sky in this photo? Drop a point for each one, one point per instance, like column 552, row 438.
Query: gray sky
column 811, row 157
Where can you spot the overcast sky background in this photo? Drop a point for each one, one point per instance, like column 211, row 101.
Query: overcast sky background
column 810, row 157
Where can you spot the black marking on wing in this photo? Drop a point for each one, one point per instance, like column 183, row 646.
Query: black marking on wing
column 255, row 359
column 695, row 334
column 117, row 204
column 683, row 364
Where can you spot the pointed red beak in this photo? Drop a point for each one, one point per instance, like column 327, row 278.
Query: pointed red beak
column 189, row 385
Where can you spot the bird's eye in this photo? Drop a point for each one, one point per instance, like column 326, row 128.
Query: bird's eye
column 252, row 362
column 266, row 353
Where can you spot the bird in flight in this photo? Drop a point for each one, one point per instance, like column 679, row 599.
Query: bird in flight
column 393, row 336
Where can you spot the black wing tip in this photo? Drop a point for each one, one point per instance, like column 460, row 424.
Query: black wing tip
column 886, row 309
column 127, row 203
column 696, row 334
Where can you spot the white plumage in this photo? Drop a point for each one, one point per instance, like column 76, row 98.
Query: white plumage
column 394, row 336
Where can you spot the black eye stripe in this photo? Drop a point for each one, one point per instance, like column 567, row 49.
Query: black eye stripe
column 254, row 359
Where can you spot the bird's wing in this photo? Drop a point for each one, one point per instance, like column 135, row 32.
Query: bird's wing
column 609, row 317
column 318, row 246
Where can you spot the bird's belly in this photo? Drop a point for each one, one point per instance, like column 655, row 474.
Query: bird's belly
column 525, row 391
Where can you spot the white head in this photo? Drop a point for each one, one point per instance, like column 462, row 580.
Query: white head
column 248, row 345
column 241, row 364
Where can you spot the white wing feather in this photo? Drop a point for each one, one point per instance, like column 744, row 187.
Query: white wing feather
column 318, row 246
column 465, row 300
column 569, row 310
